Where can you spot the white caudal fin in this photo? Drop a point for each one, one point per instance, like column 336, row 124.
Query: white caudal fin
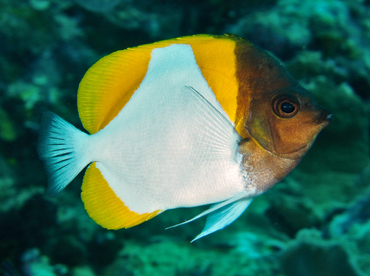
column 221, row 214
column 61, row 148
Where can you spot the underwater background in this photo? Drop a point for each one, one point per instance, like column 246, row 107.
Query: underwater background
column 315, row 222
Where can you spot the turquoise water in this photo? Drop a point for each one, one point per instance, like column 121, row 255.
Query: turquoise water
column 315, row 222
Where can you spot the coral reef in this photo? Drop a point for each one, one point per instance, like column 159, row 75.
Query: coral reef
column 315, row 222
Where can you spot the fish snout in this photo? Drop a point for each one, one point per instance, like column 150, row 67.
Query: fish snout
column 324, row 117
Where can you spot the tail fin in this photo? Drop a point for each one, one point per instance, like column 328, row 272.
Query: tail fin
column 61, row 148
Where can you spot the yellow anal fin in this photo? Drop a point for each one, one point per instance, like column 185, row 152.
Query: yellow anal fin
column 104, row 207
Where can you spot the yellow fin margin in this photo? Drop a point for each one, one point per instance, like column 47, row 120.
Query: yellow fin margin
column 217, row 61
column 104, row 207
column 109, row 84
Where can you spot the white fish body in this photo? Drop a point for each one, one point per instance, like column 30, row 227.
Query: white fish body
column 171, row 146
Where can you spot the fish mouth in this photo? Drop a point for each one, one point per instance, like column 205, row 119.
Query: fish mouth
column 324, row 118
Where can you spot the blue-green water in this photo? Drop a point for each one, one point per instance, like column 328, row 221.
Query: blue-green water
column 315, row 222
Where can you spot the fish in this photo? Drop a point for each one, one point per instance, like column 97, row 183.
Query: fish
column 184, row 122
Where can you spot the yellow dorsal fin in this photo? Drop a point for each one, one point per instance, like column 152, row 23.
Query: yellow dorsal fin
column 216, row 59
column 109, row 84
column 104, row 207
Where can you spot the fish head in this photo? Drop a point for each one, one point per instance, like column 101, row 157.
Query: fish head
column 286, row 121
column 276, row 117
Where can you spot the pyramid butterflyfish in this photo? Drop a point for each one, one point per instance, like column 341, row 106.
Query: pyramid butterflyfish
column 184, row 122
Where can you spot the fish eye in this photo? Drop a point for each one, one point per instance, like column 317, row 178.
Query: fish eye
column 286, row 106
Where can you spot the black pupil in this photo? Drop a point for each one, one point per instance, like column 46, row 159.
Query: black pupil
column 287, row 107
